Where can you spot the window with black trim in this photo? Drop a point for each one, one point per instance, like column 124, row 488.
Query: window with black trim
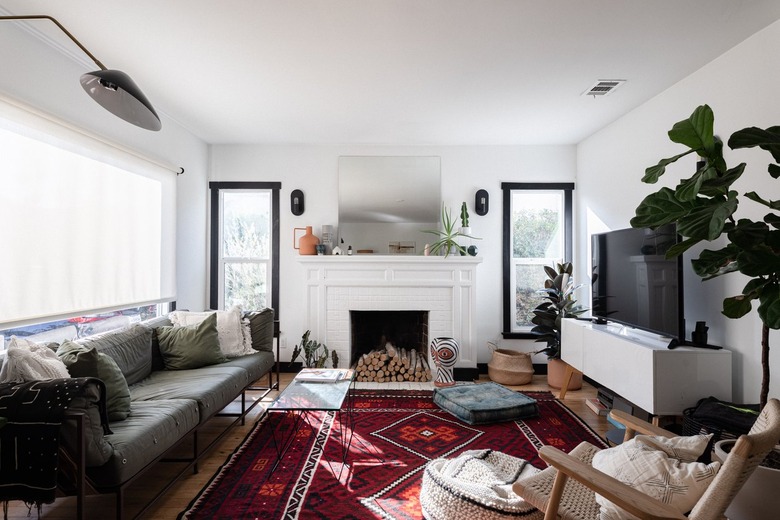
column 537, row 231
column 244, row 245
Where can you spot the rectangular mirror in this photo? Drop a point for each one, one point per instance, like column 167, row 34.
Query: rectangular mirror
column 387, row 201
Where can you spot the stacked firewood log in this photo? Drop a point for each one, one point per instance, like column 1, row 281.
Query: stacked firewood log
column 391, row 364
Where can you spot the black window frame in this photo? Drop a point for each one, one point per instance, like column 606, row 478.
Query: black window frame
column 216, row 187
column 568, row 234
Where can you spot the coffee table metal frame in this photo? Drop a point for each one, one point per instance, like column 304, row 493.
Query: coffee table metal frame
column 302, row 397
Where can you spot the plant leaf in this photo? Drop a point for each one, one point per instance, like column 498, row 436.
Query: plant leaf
column 652, row 173
column 768, row 140
column 769, row 308
column 736, row 306
column 715, row 263
column 774, row 171
column 755, row 197
column 660, row 208
column 696, row 131
column 713, row 187
column 707, row 218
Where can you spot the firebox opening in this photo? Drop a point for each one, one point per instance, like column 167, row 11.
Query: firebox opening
column 399, row 333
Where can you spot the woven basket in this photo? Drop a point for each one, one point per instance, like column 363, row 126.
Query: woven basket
column 509, row 367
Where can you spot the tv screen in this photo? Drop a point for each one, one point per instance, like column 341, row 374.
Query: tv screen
column 635, row 284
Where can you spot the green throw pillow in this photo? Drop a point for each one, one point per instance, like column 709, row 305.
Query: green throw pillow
column 261, row 328
column 190, row 346
column 88, row 362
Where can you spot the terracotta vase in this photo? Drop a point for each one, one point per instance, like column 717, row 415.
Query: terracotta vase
column 444, row 352
column 307, row 243
column 556, row 370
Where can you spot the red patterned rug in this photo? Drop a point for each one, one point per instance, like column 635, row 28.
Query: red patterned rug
column 396, row 432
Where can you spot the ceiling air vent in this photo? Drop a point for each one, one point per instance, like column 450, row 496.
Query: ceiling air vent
column 603, row 87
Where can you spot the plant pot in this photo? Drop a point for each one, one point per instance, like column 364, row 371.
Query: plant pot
column 758, row 499
column 556, row 370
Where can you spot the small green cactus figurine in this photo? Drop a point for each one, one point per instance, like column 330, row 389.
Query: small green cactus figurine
column 464, row 215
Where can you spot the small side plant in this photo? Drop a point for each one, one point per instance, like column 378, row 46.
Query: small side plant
column 447, row 242
column 464, row 215
column 559, row 292
column 314, row 353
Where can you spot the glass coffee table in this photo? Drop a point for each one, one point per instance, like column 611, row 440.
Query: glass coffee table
column 300, row 398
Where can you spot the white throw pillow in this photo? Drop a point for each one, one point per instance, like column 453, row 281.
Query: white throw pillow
column 234, row 340
column 29, row 361
column 660, row 467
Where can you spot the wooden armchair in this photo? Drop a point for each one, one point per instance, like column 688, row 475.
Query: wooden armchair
column 567, row 489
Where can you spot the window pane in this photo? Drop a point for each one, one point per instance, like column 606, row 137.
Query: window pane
column 245, row 285
column 537, row 224
column 529, row 278
column 246, row 224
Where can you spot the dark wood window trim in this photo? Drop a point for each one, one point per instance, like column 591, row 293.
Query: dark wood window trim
column 215, row 188
column 507, row 291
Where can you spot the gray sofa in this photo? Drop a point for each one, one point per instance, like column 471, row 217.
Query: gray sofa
column 165, row 406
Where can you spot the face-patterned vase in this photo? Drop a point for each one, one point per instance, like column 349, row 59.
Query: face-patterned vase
column 445, row 354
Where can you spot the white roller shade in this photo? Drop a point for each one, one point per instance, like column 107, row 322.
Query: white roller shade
column 86, row 227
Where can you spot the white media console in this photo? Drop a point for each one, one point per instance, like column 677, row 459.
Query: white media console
column 639, row 367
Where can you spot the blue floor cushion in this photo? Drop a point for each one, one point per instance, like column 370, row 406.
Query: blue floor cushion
column 484, row 403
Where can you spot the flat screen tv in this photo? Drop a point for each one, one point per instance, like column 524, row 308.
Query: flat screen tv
column 635, row 284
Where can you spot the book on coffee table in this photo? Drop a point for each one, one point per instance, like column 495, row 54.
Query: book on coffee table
column 322, row 375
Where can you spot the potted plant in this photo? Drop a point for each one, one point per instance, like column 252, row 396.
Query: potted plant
column 448, row 236
column 704, row 207
column 559, row 292
column 315, row 354
column 464, row 219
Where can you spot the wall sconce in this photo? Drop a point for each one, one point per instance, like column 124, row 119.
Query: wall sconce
column 112, row 89
column 481, row 202
column 296, row 202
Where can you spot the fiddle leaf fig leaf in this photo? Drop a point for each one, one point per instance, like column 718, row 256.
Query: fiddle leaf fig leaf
column 715, row 186
column 706, row 220
column 755, row 197
column 660, row 208
column 736, row 306
column 696, row 131
column 715, row 263
column 774, row 171
column 654, row 172
column 768, row 140
column 769, row 308
column 681, row 247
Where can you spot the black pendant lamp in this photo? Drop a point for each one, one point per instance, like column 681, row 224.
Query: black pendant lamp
column 112, row 89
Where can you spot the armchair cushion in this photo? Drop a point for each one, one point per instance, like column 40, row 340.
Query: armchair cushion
column 662, row 468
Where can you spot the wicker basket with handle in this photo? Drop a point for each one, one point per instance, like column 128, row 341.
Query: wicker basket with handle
column 509, row 367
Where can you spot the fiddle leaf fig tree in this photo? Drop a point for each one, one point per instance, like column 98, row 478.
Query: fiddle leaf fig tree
column 704, row 207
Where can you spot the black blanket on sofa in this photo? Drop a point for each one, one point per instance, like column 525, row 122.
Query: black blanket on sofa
column 29, row 441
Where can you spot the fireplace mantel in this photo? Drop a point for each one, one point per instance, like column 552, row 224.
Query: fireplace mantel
column 445, row 287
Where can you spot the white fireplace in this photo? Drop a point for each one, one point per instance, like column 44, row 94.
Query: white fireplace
column 445, row 288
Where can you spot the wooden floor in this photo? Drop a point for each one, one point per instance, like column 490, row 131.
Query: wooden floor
column 181, row 493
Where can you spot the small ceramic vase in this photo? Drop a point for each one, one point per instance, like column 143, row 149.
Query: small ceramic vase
column 445, row 354
column 307, row 243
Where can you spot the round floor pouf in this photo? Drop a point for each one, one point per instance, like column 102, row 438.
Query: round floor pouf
column 476, row 485
column 444, row 352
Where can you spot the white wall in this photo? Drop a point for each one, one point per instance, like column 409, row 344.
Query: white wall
column 465, row 169
column 36, row 74
column 742, row 88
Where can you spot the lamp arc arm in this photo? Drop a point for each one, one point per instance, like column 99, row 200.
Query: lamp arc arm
column 62, row 28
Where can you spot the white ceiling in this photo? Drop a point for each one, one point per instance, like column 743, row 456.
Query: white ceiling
column 401, row 71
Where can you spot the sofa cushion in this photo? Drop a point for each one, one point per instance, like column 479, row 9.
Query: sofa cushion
column 190, row 346
column 234, row 337
column 130, row 347
column 152, row 428
column 256, row 365
column 85, row 361
column 261, row 328
column 212, row 387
